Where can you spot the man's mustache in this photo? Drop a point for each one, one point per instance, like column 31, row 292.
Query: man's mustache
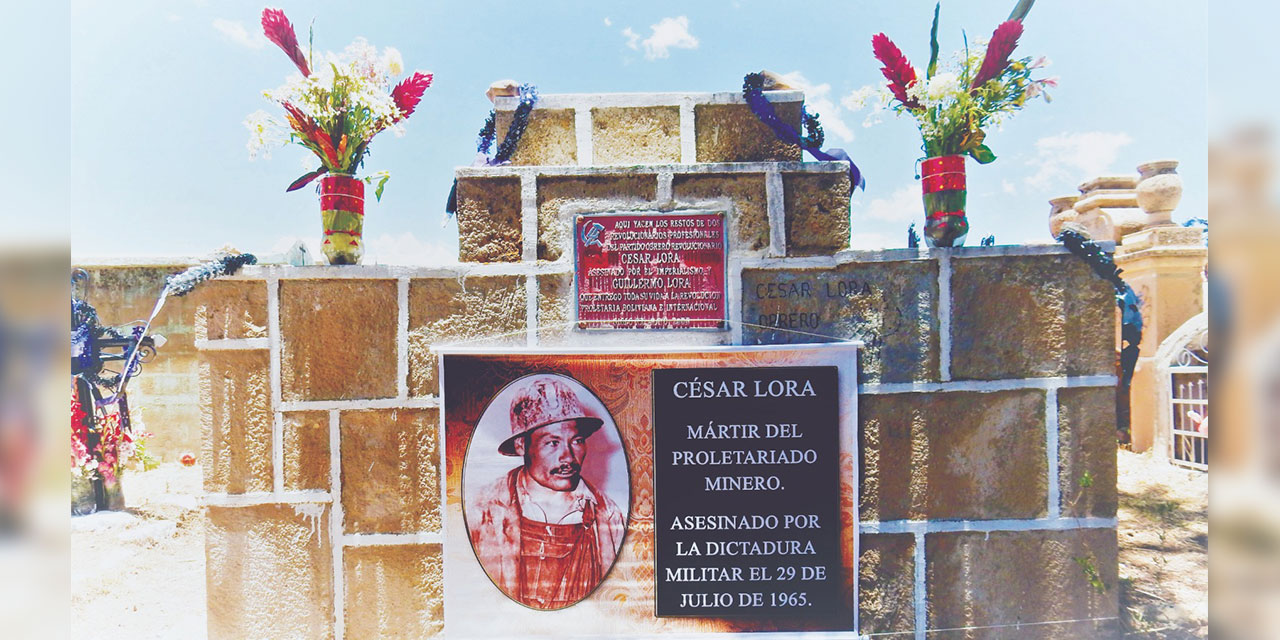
column 567, row 469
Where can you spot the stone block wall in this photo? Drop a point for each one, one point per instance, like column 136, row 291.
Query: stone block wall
column 987, row 405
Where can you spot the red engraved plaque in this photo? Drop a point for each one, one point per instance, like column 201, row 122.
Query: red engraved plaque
column 650, row 271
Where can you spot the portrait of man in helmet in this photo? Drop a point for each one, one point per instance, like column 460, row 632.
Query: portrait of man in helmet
column 545, row 535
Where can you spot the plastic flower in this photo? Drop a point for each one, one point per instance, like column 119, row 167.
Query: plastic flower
column 941, row 86
column 981, row 87
column 1002, row 44
column 279, row 30
column 409, row 92
column 897, row 70
column 337, row 104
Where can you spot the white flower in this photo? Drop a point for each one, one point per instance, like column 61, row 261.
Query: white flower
column 857, row 100
column 265, row 132
column 392, row 62
column 942, row 86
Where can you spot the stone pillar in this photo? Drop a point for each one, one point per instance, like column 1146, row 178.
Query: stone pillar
column 1165, row 266
column 1159, row 191
column 1108, row 208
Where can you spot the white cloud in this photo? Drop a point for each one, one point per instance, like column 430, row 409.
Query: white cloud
column 633, row 38
column 608, row 22
column 1071, row 158
column 236, row 32
column 817, row 100
column 669, row 33
column 904, row 204
column 1008, row 187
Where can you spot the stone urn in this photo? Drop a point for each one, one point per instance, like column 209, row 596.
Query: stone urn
column 1061, row 211
column 1159, row 191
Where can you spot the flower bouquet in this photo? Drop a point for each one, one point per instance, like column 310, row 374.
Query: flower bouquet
column 334, row 107
column 979, row 87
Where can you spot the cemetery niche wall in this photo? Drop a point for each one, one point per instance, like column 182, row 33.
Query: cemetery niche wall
column 986, row 406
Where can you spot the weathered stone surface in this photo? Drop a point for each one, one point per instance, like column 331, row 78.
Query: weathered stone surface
column 732, row 133
column 560, row 198
column 958, row 455
column 448, row 310
column 394, row 591
column 743, row 194
column 1006, row 578
column 886, row 583
column 891, row 306
column 1030, row 316
column 339, row 339
column 817, row 212
column 550, row 138
column 235, row 389
column 489, row 223
column 635, row 135
column 1087, row 445
column 306, row 450
column 390, row 471
column 555, row 306
column 269, row 572
column 231, row 309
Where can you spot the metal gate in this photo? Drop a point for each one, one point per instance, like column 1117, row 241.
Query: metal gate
column 1189, row 403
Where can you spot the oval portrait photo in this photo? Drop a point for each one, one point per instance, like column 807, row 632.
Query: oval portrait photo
column 545, row 491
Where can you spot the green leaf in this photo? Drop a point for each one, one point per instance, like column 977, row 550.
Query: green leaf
column 982, row 153
column 933, row 43
column 1021, row 10
column 381, row 177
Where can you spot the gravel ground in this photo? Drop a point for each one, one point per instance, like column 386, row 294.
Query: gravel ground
column 1164, row 548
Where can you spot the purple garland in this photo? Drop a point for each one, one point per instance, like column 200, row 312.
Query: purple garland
column 753, row 93
column 510, row 141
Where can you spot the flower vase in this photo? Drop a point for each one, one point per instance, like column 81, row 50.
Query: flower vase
column 342, row 210
column 943, row 185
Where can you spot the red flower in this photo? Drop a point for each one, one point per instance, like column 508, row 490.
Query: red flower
column 409, row 92
column 1002, row 44
column 308, row 129
column 188, row 460
column 897, row 70
column 278, row 29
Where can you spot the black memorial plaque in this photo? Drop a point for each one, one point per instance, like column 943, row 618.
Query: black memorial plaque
column 746, row 491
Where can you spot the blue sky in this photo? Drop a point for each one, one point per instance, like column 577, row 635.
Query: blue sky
column 158, row 92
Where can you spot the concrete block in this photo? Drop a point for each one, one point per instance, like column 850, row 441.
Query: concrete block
column 390, row 471
column 957, row 455
column 236, row 421
column 339, row 339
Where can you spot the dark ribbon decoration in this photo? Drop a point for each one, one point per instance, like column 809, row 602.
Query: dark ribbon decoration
column 753, row 93
column 1126, row 299
column 510, row 141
